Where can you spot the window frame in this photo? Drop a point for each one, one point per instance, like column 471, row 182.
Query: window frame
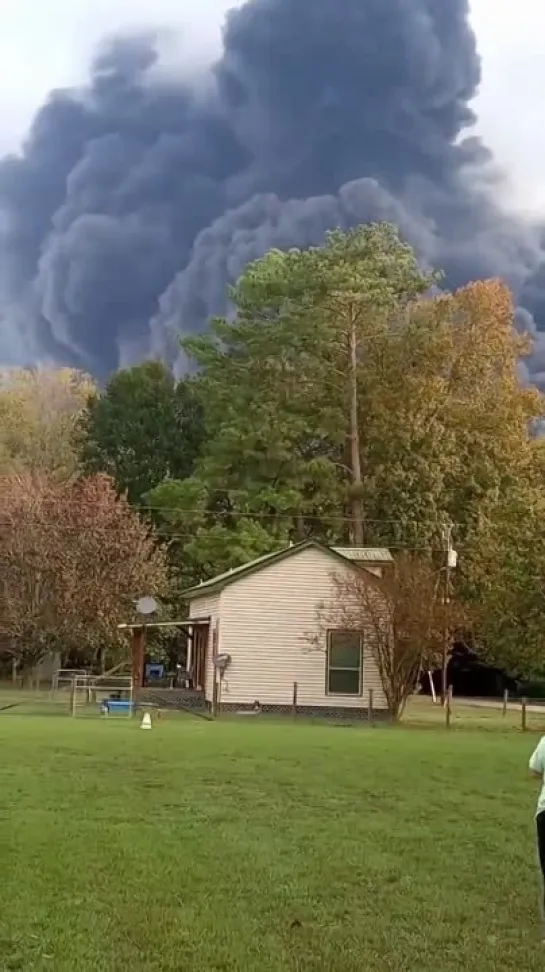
column 345, row 695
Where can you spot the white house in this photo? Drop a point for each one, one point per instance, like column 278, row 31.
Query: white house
column 266, row 616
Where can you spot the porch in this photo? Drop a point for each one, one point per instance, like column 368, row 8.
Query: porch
column 188, row 681
column 188, row 700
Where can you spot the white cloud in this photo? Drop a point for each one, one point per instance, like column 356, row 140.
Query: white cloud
column 49, row 45
column 510, row 103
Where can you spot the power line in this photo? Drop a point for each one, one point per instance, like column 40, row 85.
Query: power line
column 88, row 505
column 409, row 548
column 166, row 535
column 344, row 518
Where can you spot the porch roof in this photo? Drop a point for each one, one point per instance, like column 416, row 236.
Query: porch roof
column 188, row 623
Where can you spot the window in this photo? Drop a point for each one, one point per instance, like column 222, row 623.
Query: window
column 344, row 663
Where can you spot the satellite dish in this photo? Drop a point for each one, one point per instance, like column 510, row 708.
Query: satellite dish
column 146, row 605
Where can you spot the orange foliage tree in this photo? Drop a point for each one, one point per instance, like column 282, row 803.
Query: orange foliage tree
column 73, row 560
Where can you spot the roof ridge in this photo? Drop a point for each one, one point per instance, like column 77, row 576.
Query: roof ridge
column 219, row 581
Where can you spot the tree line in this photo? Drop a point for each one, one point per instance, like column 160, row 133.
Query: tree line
column 347, row 398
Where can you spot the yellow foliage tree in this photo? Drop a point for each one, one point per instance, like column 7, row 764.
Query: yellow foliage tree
column 40, row 412
column 448, row 420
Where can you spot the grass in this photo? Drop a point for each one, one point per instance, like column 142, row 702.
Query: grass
column 472, row 715
column 264, row 847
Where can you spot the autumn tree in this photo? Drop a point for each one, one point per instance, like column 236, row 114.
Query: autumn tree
column 73, row 560
column 40, row 412
column 282, row 386
column 443, row 418
column 444, row 424
column 451, row 422
column 504, row 576
column 143, row 428
column 403, row 618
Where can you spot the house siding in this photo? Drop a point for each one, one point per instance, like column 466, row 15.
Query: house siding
column 204, row 607
column 268, row 621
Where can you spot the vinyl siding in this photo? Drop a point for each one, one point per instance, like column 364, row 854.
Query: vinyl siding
column 204, row 607
column 267, row 621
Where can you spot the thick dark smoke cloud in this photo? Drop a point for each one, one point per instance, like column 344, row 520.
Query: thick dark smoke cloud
column 137, row 199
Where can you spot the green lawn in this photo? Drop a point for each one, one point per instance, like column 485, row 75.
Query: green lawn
column 264, row 847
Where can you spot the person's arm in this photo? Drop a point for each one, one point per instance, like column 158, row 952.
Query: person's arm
column 537, row 760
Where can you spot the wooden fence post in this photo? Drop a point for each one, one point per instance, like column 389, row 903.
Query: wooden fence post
column 370, row 708
column 73, row 698
column 294, row 700
column 523, row 710
column 505, row 701
column 448, row 707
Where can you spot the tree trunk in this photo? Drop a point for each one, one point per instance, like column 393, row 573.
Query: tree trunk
column 355, row 456
column 300, row 527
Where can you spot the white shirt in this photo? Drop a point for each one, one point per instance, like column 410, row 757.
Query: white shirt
column 537, row 765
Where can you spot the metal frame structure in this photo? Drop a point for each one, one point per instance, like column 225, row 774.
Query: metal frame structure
column 63, row 678
column 88, row 689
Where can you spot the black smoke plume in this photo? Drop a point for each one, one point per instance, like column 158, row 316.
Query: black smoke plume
column 135, row 200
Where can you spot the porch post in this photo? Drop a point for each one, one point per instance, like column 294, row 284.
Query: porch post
column 138, row 650
column 189, row 660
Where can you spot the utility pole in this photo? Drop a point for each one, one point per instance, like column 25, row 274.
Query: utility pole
column 355, row 454
column 450, row 563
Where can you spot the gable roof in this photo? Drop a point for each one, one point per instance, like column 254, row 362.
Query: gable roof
column 345, row 555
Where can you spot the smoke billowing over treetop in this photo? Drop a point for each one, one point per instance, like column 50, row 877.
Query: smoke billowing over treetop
column 136, row 199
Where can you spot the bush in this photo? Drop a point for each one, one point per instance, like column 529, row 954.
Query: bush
column 534, row 689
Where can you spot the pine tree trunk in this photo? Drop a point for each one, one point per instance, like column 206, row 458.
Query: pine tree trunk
column 355, row 456
column 300, row 527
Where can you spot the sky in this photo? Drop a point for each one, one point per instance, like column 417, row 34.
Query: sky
column 510, row 106
column 43, row 46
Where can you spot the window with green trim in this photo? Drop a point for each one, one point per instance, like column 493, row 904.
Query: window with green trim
column 344, row 667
